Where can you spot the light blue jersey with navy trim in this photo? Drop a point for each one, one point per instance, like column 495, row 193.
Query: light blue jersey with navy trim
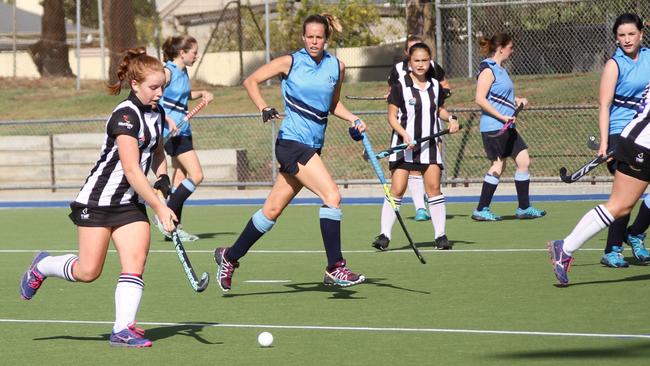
column 633, row 76
column 308, row 90
column 501, row 95
column 175, row 97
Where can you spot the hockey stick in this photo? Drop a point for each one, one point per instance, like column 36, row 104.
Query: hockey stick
column 585, row 169
column 380, row 174
column 388, row 152
column 197, row 284
column 187, row 117
column 509, row 123
column 352, row 97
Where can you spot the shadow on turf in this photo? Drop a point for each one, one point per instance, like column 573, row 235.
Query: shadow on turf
column 190, row 330
column 643, row 277
column 336, row 291
column 426, row 245
column 637, row 350
column 448, row 217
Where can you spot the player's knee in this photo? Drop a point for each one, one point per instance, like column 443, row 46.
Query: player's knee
column 272, row 212
column 196, row 177
column 86, row 274
column 332, row 199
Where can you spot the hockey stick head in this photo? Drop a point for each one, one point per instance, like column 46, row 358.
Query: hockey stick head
column 198, row 285
column 203, row 282
column 592, row 143
column 564, row 177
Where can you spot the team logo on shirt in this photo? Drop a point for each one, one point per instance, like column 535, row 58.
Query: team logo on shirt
column 84, row 214
column 412, row 101
column 140, row 141
column 125, row 122
column 332, row 81
column 639, row 158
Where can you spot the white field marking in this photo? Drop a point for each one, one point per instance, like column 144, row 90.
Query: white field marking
column 267, row 281
column 504, row 250
column 366, row 329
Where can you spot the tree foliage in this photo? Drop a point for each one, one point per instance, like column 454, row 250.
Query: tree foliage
column 356, row 18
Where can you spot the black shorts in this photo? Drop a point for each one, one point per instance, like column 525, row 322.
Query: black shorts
column 612, row 142
column 510, row 144
column 401, row 164
column 633, row 160
column 86, row 216
column 178, row 144
column 289, row 153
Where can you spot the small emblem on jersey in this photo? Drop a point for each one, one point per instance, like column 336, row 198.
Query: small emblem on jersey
column 84, row 214
column 332, row 81
column 125, row 122
column 412, row 101
column 639, row 158
column 140, row 141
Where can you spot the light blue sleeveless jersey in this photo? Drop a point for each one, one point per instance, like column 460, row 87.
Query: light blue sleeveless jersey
column 501, row 96
column 633, row 76
column 308, row 90
column 175, row 97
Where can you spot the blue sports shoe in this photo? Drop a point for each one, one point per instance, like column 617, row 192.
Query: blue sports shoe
column 32, row 278
column 561, row 261
column 485, row 215
column 422, row 215
column 529, row 213
column 130, row 337
column 638, row 248
column 614, row 258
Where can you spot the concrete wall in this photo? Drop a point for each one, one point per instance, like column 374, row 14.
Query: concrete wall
column 223, row 68
column 66, row 160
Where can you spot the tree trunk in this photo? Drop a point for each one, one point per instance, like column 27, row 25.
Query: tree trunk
column 420, row 21
column 50, row 53
column 120, row 28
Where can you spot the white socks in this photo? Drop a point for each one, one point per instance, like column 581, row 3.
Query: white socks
column 591, row 224
column 59, row 266
column 388, row 216
column 416, row 187
column 127, row 299
column 438, row 211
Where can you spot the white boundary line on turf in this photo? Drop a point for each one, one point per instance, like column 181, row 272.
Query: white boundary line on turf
column 505, row 250
column 369, row 329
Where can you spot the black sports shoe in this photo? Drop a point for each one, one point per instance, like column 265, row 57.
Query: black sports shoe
column 381, row 242
column 442, row 243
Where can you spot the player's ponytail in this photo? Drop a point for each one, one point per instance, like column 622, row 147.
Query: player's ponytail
column 173, row 46
column 135, row 65
column 488, row 46
column 329, row 21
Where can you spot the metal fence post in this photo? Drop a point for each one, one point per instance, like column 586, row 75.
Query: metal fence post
column 439, row 56
column 100, row 17
column 469, row 39
column 78, row 45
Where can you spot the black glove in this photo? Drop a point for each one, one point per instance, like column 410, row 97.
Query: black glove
column 355, row 134
column 163, row 184
column 269, row 113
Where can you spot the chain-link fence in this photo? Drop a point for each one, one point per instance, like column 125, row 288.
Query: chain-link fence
column 556, row 137
column 550, row 36
column 235, row 37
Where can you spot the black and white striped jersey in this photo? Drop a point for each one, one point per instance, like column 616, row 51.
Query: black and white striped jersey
column 402, row 68
column 638, row 129
column 106, row 184
column 418, row 115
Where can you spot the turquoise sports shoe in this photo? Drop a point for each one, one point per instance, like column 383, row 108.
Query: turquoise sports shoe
column 529, row 213
column 638, row 248
column 614, row 258
column 485, row 215
column 422, row 215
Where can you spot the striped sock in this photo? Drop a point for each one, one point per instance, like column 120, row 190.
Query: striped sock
column 388, row 216
column 60, row 266
column 591, row 223
column 438, row 211
column 127, row 299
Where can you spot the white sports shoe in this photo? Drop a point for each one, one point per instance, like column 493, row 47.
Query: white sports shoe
column 161, row 228
column 184, row 235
